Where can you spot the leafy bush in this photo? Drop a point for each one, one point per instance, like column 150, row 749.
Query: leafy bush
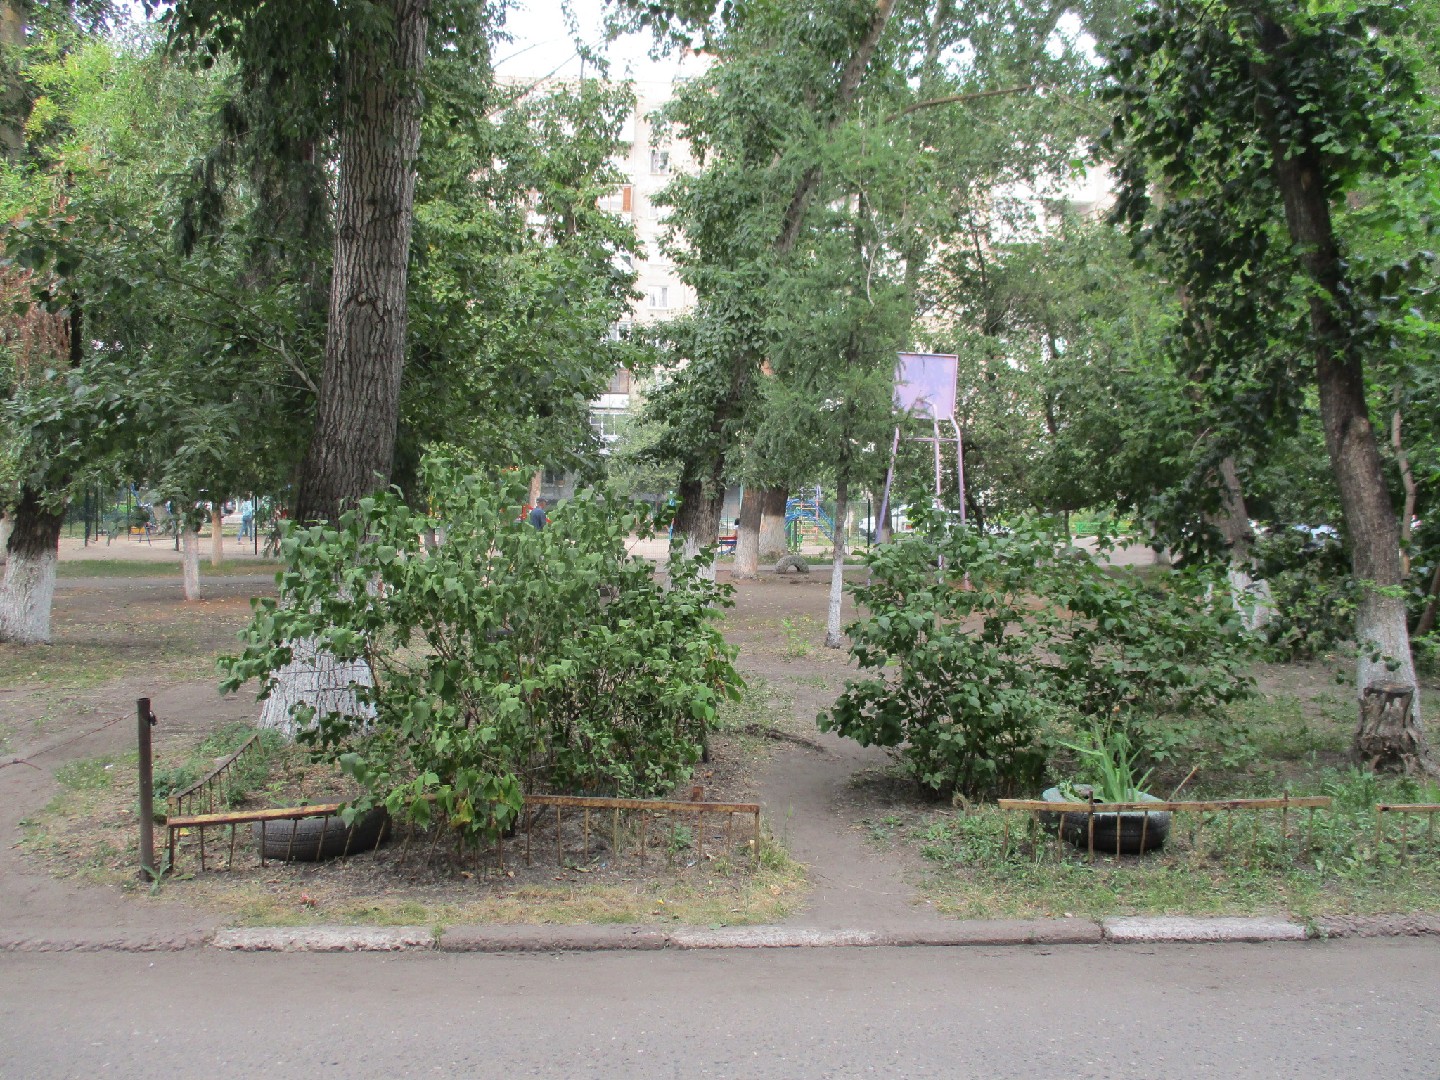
column 507, row 659
column 1314, row 594
column 983, row 645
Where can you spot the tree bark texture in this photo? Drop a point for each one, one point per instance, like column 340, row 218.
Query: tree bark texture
column 833, row 638
column 1386, row 739
column 747, row 535
column 1302, row 178
column 353, row 447
column 190, row 562
column 1252, row 598
column 774, row 544
column 28, row 586
column 698, row 519
column 314, row 677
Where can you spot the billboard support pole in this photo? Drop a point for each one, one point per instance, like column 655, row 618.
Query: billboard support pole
column 885, row 498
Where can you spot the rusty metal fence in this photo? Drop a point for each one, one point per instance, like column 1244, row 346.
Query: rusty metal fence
column 575, row 824
column 1405, row 811
column 206, row 793
column 1044, row 814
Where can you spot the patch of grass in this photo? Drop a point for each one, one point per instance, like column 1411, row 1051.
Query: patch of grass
column 137, row 568
column 761, row 705
column 799, row 634
column 1279, row 729
column 91, row 774
column 712, row 895
column 1225, row 864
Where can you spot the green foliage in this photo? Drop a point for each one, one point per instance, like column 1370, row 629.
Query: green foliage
column 1313, row 590
column 984, row 645
column 1108, row 763
column 507, row 659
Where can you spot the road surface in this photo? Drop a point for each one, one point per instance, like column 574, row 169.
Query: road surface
column 1317, row 1010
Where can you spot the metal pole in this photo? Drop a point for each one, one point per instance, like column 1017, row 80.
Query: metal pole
column 936, row 424
column 889, row 476
column 959, row 466
column 145, row 720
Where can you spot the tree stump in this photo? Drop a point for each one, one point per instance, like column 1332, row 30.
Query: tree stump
column 1388, row 739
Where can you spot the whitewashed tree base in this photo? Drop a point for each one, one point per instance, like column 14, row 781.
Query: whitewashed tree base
column 1384, row 638
column 190, row 563
column 1252, row 598
column 26, row 594
column 316, row 678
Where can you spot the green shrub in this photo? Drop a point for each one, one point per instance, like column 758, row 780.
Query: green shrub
column 1018, row 636
column 506, row 660
column 1314, row 593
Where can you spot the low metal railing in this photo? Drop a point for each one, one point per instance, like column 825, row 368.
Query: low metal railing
column 203, row 791
column 1405, row 812
column 1285, row 804
column 537, row 807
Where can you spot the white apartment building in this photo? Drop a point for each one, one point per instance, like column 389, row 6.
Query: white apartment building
column 648, row 161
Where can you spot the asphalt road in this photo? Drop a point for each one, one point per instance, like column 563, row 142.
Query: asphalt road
column 1318, row 1010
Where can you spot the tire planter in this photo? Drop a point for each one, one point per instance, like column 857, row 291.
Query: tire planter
column 1132, row 826
column 317, row 838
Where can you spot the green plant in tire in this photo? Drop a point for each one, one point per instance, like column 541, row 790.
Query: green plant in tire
column 1108, row 764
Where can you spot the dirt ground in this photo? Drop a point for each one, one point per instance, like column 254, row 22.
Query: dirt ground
column 118, row 638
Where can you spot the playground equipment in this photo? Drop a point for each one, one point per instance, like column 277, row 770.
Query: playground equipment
column 925, row 390
column 809, row 519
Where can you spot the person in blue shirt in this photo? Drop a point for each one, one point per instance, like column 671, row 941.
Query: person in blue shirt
column 538, row 517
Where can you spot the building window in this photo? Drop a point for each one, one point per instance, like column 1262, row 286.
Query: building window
column 657, row 297
column 659, row 161
column 619, row 382
column 607, row 424
column 619, row 201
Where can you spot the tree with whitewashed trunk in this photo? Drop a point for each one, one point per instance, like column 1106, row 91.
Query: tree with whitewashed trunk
column 1259, row 117
column 377, row 102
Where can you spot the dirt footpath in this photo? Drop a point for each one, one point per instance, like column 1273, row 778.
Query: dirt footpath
column 120, row 638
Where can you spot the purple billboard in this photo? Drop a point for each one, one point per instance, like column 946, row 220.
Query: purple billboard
column 925, row 384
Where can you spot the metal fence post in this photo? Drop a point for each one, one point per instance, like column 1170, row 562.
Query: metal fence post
column 145, row 719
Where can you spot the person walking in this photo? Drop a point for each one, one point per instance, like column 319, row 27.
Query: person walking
column 538, row 517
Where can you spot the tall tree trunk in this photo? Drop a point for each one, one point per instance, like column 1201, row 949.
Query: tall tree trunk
column 217, row 533
column 353, row 447
column 6, row 523
column 698, row 519
column 1304, row 184
column 747, row 536
column 833, row 638
column 1252, row 598
column 190, row 561
column 28, row 586
column 12, row 93
column 1407, row 480
column 774, row 544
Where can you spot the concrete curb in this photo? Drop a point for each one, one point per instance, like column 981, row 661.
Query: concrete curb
column 102, row 941
column 326, row 939
column 1146, row 929
column 552, row 939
